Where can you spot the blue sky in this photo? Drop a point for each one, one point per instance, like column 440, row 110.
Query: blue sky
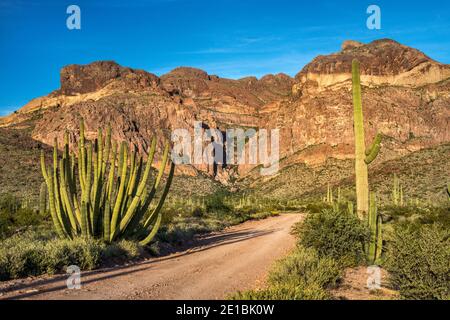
column 230, row 38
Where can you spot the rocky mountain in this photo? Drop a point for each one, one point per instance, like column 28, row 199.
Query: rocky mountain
column 406, row 97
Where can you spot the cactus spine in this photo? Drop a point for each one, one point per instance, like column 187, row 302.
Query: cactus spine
column 363, row 157
column 104, row 204
column 375, row 245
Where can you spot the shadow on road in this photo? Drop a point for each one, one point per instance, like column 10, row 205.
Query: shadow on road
column 203, row 243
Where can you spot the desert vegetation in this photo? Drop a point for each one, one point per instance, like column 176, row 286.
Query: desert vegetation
column 410, row 241
column 98, row 202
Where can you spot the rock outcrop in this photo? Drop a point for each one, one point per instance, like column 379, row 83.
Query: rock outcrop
column 406, row 96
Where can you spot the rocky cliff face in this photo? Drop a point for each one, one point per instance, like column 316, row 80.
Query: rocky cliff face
column 406, row 97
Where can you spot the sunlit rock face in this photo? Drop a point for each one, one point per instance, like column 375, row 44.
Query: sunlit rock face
column 406, row 96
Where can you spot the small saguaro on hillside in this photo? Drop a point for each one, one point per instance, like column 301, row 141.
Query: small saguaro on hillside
column 104, row 203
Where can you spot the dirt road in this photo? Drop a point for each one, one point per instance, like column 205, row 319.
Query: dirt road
column 218, row 264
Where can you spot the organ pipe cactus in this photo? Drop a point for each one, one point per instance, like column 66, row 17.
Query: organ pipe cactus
column 88, row 198
column 374, row 221
column 43, row 199
column 363, row 156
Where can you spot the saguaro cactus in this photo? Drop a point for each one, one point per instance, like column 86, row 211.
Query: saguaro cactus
column 104, row 204
column 374, row 221
column 363, row 157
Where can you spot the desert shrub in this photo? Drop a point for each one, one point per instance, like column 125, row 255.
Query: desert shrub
column 418, row 262
column 13, row 215
column 23, row 259
column 216, row 203
column 418, row 214
column 285, row 291
column 335, row 234
column 302, row 275
column 30, row 254
column 436, row 215
column 305, row 266
column 61, row 253
column 198, row 212
column 264, row 215
column 317, row 206
column 122, row 250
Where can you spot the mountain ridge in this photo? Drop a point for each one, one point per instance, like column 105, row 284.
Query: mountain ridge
column 406, row 96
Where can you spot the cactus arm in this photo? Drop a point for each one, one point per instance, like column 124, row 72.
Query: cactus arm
column 163, row 196
column 148, row 197
column 157, row 210
column 107, row 222
column 43, row 199
column 51, row 199
column 379, row 238
column 137, row 177
column 121, row 154
column 112, row 169
column 373, row 151
column 120, row 194
column 107, row 150
column 58, row 203
column 372, row 220
column 85, row 202
column 154, row 231
column 65, row 197
column 96, row 191
column 133, row 183
column 99, row 153
column 82, row 157
column 378, row 139
column 137, row 198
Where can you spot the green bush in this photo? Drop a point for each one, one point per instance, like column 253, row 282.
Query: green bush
column 123, row 250
column 317, row 206
column 305, row 266
column 61, row 253
column 14, row 215
column 418, row 262
column 285, row 291
column 198, row 212
column 334, row 234
column 418, row 214
column 302, row 275
column 216, row 203
column 31, row 255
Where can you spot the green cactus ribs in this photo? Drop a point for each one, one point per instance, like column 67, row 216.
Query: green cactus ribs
column 105, row 193
column 375, row 246
column 363, row 157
